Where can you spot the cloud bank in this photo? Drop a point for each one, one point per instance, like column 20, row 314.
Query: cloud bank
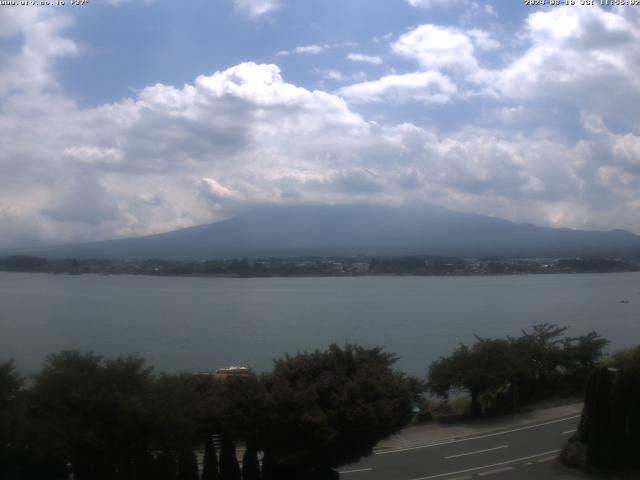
column 170, row 157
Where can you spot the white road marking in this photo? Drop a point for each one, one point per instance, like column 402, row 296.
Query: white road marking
column 356, row 471
column 567, row 432
column 447, row 442
column 507, row 462
column 493, row 472
column 477, row 451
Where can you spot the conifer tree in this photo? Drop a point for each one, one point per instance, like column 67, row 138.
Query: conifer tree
column 229, row 468
column 187, row 465
column 250, row 464
column 210, row 461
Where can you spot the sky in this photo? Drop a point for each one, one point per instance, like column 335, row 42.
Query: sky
column 131, row 117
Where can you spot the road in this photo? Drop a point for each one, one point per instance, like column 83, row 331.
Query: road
column 521, row 452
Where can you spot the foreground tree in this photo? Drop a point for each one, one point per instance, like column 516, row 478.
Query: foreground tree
column 330, row 408
column 187, row 465
column 609, row 431
column 93, row 415
column 229, row 468
column 540, row 362
column 537, row 355
column 250, row 463
column 210, row 460
column 12, row 434
column 481, row 369
column 548, row 363
column 581, row 356
column 627, row 360
column 177, row 409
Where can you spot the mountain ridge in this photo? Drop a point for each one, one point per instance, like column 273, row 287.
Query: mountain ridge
column 328, row 230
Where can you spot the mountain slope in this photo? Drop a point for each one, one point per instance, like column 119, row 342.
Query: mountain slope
column 350, row 230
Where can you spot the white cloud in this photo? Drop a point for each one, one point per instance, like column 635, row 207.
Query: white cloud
column 307, row 49
column 436, row 47
column 84, row 201
column 490, row 10
column 172, row 157
column 94, row 155
column 574, row 56
column 337, row 76
column 425, row 87
column 358, row 57
column 215, row 192
column 585, row 56
column 256, row 8
column 429, row 4
column 483, row 40
column 333, row 75
column 31, row 68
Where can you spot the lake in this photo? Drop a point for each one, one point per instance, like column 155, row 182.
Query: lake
column 200, row 324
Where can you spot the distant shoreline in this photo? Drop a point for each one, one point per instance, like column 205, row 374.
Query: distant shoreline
column 339, row 266
column 365, row 275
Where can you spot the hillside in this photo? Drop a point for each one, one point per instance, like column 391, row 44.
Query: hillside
column 351, row 230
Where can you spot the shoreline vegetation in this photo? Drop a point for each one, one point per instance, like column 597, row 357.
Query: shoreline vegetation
column 90, row 418
column 607, row 442
column 116, row 419
column 339, row 266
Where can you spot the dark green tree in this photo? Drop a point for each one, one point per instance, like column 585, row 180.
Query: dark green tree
column 580, row 356
column 250, row 464
column 241, row 405
column 187, row 465
column 94, row 414
column 483, row 369
column 329, row 408
column 12, row 427
column 210, row 460
column 628, row 360
column 177, row 410
column 165, row 465
column 596, row 416
column 538, row 354
column 241, row 402
column 539, row 362
column 229, row 468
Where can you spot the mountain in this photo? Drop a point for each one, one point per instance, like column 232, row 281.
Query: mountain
column 321, row 230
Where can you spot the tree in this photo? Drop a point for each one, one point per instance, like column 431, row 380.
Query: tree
column 609, row 429
column 229, row 468
column 241, row 402
column 187, row 465
column 540, row 362
column 94, row 414
column 580, row 357
column 329, row 408
column 24, row 263
column 539, row 354
column 12, row 441
column 483, row 368
column 178, row 409
column 549, row 364
column 250, row 464
column 628, row 360
column 234, row 406
column 210, row 460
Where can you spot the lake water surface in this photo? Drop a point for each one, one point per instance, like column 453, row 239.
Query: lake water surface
column 199, row 324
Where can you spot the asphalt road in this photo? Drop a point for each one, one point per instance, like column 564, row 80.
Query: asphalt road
column 523, row 452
